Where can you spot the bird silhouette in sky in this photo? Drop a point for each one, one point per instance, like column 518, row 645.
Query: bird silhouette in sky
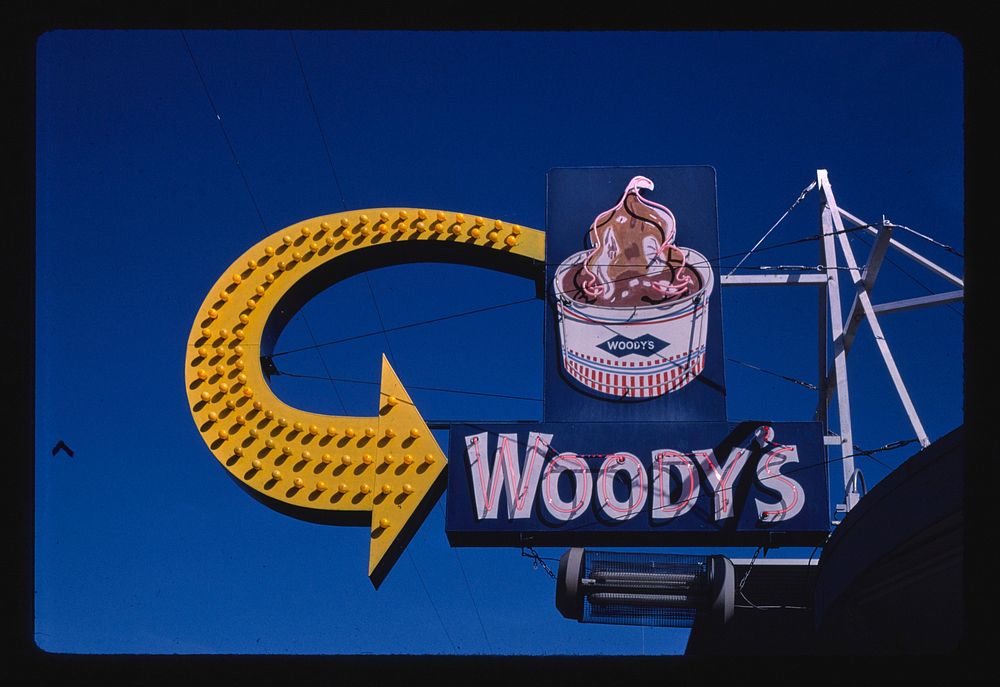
column 61, row 446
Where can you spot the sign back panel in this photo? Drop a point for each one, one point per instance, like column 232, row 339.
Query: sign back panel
column 633, row 329
column 593, row 484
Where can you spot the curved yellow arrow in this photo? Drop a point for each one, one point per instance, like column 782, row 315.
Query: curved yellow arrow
column 385, row 464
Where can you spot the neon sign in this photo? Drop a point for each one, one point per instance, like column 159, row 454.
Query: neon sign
column 633, row 355
column 563, row 483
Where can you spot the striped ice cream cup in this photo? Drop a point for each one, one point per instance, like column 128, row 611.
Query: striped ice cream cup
column 634, row 352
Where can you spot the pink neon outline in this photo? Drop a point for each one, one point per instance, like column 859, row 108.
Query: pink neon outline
column 591, row 287
column 724, row 476
column 673, row 508
column 548, row 485
column 490, row 491
column 795, row 492
column 604, row 484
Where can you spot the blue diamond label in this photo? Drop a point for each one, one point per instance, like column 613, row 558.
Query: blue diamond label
column 646, row 345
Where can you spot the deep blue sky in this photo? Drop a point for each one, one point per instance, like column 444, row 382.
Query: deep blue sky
column 142, row 542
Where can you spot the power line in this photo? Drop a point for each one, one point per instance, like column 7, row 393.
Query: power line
column 912, row 278
column 312, row 104
column 927, row 238
column 429, row 598
column 343, row 201
column 473, row 598
column 785, row 377
column 798, row 200
column 407, row 326
column 322, row 361
column 413, row 386
column 225, row 134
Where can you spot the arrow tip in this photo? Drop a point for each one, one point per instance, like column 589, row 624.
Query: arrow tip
column 409, row 478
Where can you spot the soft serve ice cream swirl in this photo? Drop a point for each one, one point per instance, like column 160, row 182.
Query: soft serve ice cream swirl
column 633, row 260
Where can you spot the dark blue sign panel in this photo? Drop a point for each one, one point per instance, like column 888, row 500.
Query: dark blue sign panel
column 692, row 483
column 633, row 329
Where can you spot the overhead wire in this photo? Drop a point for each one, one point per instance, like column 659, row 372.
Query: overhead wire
column 421, row 323
column 798, row 200
column 225, row 134
column 864, row 240
column 333, row 170
column 415, row 386
column 927, row 238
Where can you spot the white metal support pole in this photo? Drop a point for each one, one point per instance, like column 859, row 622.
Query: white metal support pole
column 837, row 333
column 823, row 382
column 869, row 313
column 855, row 314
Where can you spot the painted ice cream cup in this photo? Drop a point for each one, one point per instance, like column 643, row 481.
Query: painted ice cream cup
column 645, row 349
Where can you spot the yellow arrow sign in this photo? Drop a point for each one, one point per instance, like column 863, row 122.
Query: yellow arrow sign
column 388, row 465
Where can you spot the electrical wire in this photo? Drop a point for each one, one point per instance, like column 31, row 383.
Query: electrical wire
column 333, row 170
column 927, row 238
column 775, row 374
column 225, row 134
column 407, row 326
column 437, row 613
column 413, row 386
column 912, row 278
column 798, row 200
